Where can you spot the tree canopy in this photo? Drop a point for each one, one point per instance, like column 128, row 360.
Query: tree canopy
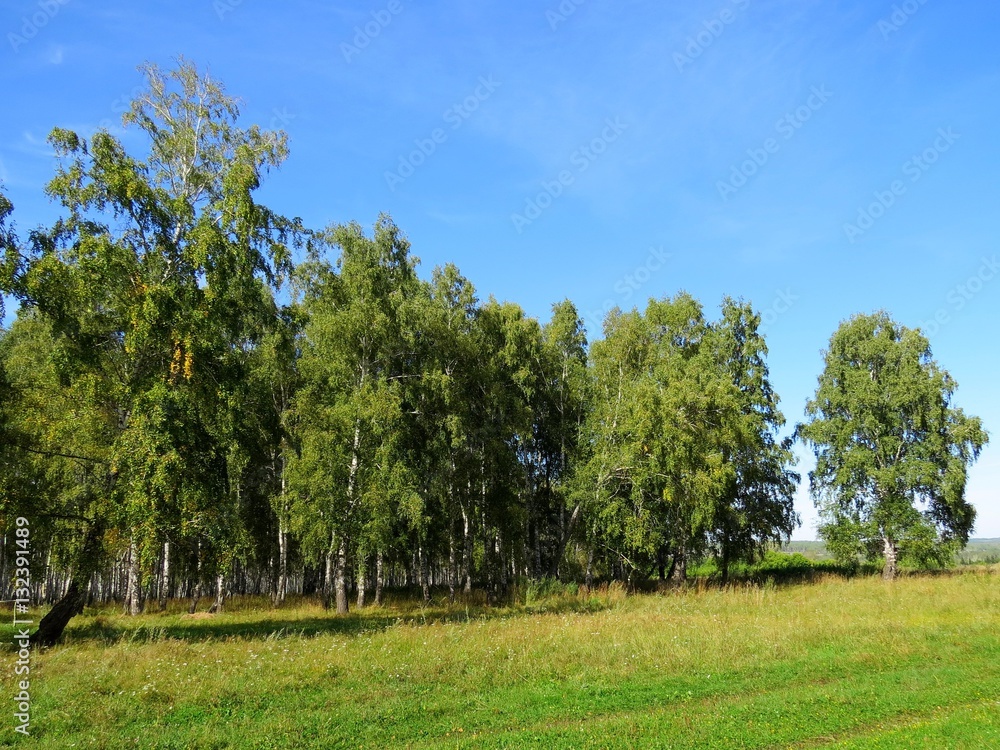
column 892, row 451
column 155, row 284
column 200, row 392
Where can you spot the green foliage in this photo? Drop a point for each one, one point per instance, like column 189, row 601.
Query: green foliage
column 757, row 509
column 774, row 561
column 892, row 452
column 681, row 433
column 154, row 289
column 349, row 483
column 8, row 250
column 176, row 388
column 775, row 567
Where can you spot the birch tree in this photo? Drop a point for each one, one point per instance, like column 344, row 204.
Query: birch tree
column 892, row 449
column 157, row 281
column 757, row 508
column 561, row 419
column 349, row 476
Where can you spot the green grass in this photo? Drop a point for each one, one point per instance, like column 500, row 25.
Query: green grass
column 833, row 663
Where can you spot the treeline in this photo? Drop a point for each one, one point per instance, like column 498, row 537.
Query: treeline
column 187, row 412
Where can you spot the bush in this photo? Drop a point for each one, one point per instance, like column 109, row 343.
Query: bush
column 784, row 562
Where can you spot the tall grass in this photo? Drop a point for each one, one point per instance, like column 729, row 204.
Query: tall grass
column 751, row 664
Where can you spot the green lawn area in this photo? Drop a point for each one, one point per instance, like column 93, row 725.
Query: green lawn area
column 835, row 663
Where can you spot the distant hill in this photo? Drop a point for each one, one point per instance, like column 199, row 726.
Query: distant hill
column 977, row 551
column 812, row 550
column 980, row 551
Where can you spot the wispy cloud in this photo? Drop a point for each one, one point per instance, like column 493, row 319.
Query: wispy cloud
column 32, row 144
column 55, row 55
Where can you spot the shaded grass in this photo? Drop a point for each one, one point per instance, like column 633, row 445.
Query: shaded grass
column 839, row 663
column 250, row 617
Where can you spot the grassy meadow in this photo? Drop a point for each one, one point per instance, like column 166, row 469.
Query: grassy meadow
column 833, row 662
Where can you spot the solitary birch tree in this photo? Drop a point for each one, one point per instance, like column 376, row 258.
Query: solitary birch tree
column 892, row 450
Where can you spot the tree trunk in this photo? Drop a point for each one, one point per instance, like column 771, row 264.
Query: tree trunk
column 340, row 577
column 51, row 628
column 489, row 572
column 673, row 567
column 501, row 565
column 537, row 551
column 891, row 554
column 424, row 576
column 725, row 564
column 328, row 575
column 379, row 578
column 452, row 565
column 282, row 584
column 196, row 595
column 362, row 580
column 531, row 552
column 48, row 585
column 165, row 578
column 589, row 575
column 679, row 572
column 220, row 594
column 133, row 596
column 467, row 552
column 281, row 587
column 565, row 536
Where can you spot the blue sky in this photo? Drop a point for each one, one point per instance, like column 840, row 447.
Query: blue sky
column 817, row 158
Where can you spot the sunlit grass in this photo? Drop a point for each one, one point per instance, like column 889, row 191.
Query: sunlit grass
column 852, row 663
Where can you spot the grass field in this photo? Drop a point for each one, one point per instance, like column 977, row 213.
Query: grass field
column 833, row 663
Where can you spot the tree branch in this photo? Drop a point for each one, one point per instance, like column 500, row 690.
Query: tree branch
column 57, row 454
